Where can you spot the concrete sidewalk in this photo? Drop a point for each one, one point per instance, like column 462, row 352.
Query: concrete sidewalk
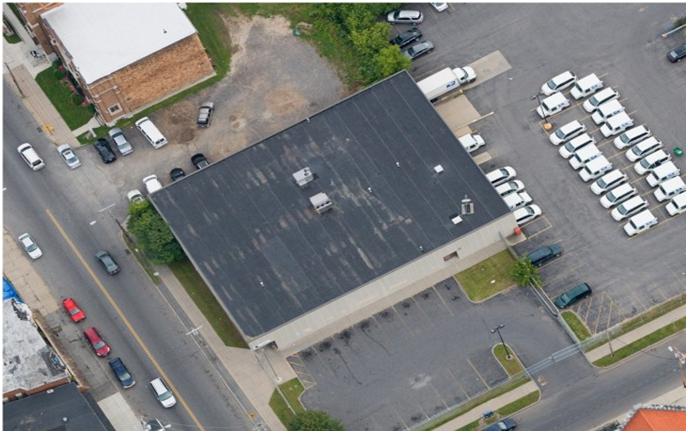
column 676, row 396
column 637, row 333
column 248, row 370
column 491, row 405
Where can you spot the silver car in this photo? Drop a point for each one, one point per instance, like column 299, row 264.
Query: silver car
column 405, row 16
column 120, row 140
column 68, row 156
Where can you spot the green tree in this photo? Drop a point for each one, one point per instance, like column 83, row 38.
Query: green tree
column 153, row 234
column 369, row 41
column 314, row 420
column 524, row 273
column 390, row 60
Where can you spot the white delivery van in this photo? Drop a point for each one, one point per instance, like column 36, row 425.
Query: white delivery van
column 670, row 188
column 438, row 84
column 583, row 156
column 567, row 150
column 599, row 98
column 566, row 132
column 151, row 132
column 639, row 223
column 607, row 110
column 553, row 105
column 616, row 124
column 631, row 137
column 664, row 172
column 595, row 168
column 586, row 86
column 677, row 205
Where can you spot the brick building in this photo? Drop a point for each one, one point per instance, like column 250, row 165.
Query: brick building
column 31, row 12
column 125, row 57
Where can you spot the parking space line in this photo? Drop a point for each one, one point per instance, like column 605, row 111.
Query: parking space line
column 458, row 382
column 557, row 280
column 401, row 316
column 442, row 300
column 396, row 411
column 477, row 373
column 542, row 230
column 587, row 311
column 420, row 308
column 438, row 395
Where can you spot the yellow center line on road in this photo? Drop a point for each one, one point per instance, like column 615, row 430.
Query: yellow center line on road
column 126, row 322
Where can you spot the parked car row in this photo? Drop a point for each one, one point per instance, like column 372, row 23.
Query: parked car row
column 514, row 194
column 409, row 41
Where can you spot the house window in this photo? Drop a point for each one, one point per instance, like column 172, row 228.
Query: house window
column 453, row 255
column 114, row 108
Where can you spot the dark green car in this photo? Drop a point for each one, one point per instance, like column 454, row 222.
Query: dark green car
column 572, row 296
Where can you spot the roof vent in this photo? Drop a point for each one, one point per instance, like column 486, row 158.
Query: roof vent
column 467, row 206
column 321, row 202
column 456, row 219
column 303, row 177
column 439, row 169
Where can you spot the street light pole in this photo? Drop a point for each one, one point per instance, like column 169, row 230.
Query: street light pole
column 506, row 349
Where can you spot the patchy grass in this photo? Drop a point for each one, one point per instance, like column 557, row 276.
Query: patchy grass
column 13, row 38
column 512, row 366
column 207, row 18
column 505, row 411
column 206, row 302
column 642, row 343
column 62, row 98
column 477, row 280
column 292, row 390
column 576, row 324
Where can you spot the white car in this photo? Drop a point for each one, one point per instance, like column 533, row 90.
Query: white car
column 510, row 187
column 670, row 189
column 465, row 75
column 642, row 149
column 605, row 95
column 559, row 83
column 527, row 214
column 572, row 146
column 617, row 195
column 651, row 161
column 440, row 7
column 631, row 137
column 629, row 207
column 552, row 105
column 471, row 142
column 152, row 183
column 610, row 180
column 677, row 205
column 501, row 175
column 68, row 156
column 517, row 200
column 135, row 196
column 566, row 132
column 639, row 223
column 30, row 157
column 30, row 246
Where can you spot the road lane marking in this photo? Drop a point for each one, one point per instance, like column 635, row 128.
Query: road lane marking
column 126, row 322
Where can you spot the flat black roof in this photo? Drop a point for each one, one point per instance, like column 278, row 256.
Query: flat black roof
column 252, row 233
column 49, row 409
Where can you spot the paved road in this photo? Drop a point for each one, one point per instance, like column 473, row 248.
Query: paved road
column 74, row 198
column 594, row 400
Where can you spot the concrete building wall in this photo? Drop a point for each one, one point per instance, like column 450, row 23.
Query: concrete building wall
column 390, row 289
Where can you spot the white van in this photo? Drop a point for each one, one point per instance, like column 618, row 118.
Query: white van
column 639, row 223
column 631, row 137
column 30, row 157
column 610, row 180
column 677, row 205
column 629, row 207
column 616, row 124
column 643, row 149
column 600, row 98
column 560, row 82
column 607, row 110
column 651, row 161
column 595, row 168
column 566, row 132
column 151, row 132
column 664, row 172
column 162, row 393
column 567, row 150
column 586, row 86
column 617, row 195
column 516, row 200
column 553, row 105
column 584, row 155
column 670, row 188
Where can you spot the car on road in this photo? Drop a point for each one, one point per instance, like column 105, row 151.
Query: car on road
column 176, row 174
column 30, row 157
column 199, row 161
column 72, row 308
column 68, row 156
column 405, row 16
column 510, row 187
column 677, row 205
column 566, row 132
column 501, row 175
column 471, row 142
column 30, row 246
column 610, row 180
column 639, row 223
column 117, row 136
column 100, row 347
column 205, row 114
column 631, row 137
column 162, row 393
column 108, row 262
column 572, row 296
column 651, row 161
column 677, row 54
column 404, row 38
column 105, row 150
column 465, row 75
column 506, row 424
column 420, row 49
column 440, row 7
column 559, row 83
column 135, row 196
column 122, row 373
column 152, row 184
column 527, row 214
column 605, row 95
column 544, row 254
column 629, row 207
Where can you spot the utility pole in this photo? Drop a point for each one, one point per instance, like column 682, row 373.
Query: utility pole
column 681, row 358
column 506, row 349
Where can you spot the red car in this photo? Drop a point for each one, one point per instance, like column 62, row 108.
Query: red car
column 76, row 313
column 99, row 345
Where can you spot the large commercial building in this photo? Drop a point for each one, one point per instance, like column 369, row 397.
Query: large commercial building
column 337, row 217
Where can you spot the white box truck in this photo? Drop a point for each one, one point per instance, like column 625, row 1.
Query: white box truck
column 445, row 81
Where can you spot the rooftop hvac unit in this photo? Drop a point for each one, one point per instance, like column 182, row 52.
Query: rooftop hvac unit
column 467, row 206
column 438, row 168
column 303, row 177
column 456, row 219
column 321, row 202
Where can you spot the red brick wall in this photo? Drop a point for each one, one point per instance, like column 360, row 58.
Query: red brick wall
column 31, row 13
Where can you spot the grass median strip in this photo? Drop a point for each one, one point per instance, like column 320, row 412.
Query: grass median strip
column 642, row 343
column 488, row 277
column 576, row 324
column 512, row 366
column 292, row 390
column 206, row 302
column 506, row 410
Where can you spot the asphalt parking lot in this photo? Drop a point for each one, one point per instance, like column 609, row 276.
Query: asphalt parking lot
column 424, row 354
column 622, row 44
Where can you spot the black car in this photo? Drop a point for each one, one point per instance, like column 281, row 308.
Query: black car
column 205, row 114
column 418, row 49
column 199, row 160
column 677, row 54
column 121, row 373
column 105, row 151
column 544, row 254
column 405, row 38
column 176, row 173
column 108, row 262
column 507, row 424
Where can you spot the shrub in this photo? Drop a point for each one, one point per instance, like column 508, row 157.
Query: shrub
column 312, row 420
column 77, row 99
column 153, row 234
